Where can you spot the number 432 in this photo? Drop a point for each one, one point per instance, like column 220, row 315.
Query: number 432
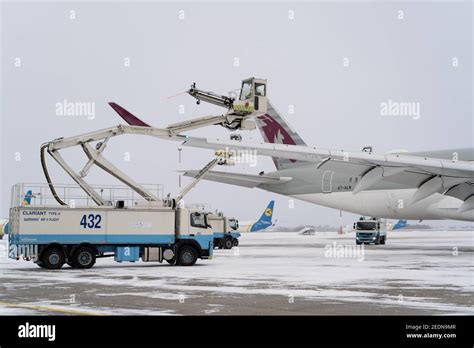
column 91, row 221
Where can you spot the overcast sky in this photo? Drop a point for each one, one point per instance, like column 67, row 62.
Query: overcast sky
column 335, row 63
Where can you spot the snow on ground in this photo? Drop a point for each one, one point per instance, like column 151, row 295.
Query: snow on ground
column 427, row 270
column 9, row 310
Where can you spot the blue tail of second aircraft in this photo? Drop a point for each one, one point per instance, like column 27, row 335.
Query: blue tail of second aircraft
column 265, row 220
column 400, row 224
column 27, row 199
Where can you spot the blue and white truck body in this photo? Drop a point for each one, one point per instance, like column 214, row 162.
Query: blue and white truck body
column 51, row 236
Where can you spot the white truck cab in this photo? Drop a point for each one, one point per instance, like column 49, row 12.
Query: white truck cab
column 370, row 231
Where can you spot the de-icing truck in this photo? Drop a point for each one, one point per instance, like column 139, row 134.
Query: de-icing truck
column 149, row 228
column 52, row 236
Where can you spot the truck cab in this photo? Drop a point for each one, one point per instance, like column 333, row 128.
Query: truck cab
column 370, row 231
column 224, row 230
column 193, row 225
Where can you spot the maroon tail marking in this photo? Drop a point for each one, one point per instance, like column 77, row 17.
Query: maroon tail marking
column 272, row 128
column 127, row 116
column 274, row 131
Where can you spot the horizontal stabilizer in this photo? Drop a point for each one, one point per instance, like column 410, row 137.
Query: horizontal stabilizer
column 245, row 180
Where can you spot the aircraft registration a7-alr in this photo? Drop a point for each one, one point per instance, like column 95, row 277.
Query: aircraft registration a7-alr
column 411, row 186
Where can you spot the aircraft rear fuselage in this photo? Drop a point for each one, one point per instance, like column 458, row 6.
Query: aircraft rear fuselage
column 390, row 198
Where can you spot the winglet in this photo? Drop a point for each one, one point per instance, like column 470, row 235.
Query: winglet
column 127, row 116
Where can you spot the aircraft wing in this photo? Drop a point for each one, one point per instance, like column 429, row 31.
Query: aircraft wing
column 429, row 175
column 435, row 166
column 244, row 180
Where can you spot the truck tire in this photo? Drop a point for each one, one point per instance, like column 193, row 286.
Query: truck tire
column 383, row 240
column 187, row 255
column 358, row 243
column 236, row 242
column 52, row 258
column 377, row 241
column 228, row 243
column 83, row 257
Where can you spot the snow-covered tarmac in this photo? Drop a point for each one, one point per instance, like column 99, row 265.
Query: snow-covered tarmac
column 416, row 272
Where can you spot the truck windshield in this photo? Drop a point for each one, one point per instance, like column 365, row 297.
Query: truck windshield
column 366, row 225
column 234, row 224
column 246, row 91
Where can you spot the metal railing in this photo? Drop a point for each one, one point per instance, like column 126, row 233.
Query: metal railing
column 199, row 207
column 74, row 195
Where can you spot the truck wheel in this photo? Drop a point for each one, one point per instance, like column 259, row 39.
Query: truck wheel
column 358, row 243
column 383, row 240
column 377, row 241
column 236, row 242
column 84, row 257
column 53, row 258
column 228, row 243
column 187, row 256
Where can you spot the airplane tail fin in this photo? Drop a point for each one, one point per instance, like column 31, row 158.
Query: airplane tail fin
column 267, row 213
column 27, row 199
column 276, row 130
column 128, row 116
column 400, row 224
column 5, row 228
column 265, row 220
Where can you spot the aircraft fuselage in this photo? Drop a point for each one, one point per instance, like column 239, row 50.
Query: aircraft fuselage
column 387, row 199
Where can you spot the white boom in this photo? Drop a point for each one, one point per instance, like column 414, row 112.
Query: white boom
column 95, row 157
